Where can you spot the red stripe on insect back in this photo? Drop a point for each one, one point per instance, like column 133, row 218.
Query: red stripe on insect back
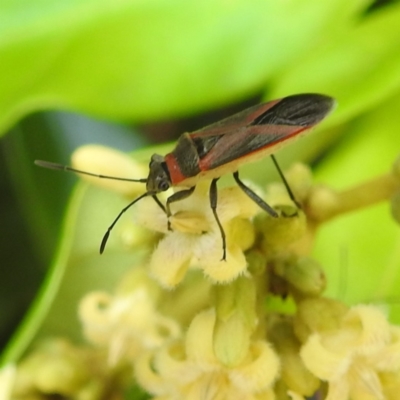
column 174, row 169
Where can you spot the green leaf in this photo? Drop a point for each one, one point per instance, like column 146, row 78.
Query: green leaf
column 151, row 59
column 359, row 68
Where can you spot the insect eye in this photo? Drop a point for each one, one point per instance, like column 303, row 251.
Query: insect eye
column 164, row 186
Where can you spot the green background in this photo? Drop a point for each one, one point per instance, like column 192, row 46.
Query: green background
column 128, row 73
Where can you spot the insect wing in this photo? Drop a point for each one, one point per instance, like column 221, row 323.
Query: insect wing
column 258, row 128
column 231, row 124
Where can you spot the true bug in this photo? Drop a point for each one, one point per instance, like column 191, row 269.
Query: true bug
column 221, row 148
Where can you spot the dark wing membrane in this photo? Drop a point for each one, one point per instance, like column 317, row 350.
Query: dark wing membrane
column 259, row 127
column 228, row 125
column 300, row 109
column 245, row 141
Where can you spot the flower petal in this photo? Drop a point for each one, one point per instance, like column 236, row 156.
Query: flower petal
column 147, row 377
column 364, row 383
column 170, row 260
column 149, row 215
column 199, row 340
column 375, row 333
column 222, row 271
column 338, row 390
column 326, row 365
column 171, row 363
column 260, row 372
column 388, row 359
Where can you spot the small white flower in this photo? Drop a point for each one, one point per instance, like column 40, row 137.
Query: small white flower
column 190, row 369
column 196, row 239
column 125, row 324
column 352, row 358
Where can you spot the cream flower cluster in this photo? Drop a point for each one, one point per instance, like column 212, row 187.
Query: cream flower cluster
column 360, row 359
column 195, row 240
column 185, row 325
column 234, row 348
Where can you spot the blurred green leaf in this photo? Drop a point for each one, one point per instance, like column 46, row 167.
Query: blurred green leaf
column 360, row 68
column 151, row 59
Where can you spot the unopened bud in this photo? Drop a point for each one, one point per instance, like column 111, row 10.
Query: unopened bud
column 299, row 177
column 303, row 273
column 293, row 371
column 322, row 203
column 318, row 315
column 278, row 233
column 103, row 160
column 55, row 367
column 235, row 320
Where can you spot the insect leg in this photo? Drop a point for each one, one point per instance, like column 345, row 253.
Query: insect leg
column 157, row 200
column 182, row 194
column 290, row 193
column 213, row 204
column 254, row 196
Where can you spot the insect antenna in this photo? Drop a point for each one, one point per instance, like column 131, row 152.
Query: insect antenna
column 60, row 167
column 107, row 234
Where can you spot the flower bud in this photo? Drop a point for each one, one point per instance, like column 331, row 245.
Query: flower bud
column 299, row 177
column 106, row 161
column 257, row 262
column 235, row 320
column 303, row 273
column 231, row 340
column 55, row 367
column 278, row 233
column 318, row 315
column 238, row 296
column 322, row 203
column 241, row 232
column 293, row 371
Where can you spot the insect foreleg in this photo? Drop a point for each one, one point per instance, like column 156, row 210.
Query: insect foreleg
column 213, row 205
column 254, row 196
column 182, row 194
column 288, row 189
column 161, row 205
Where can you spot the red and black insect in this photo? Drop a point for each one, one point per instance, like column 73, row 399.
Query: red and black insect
column 222, row 148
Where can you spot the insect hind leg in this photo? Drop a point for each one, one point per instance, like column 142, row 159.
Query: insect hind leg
column 285, row 182
column 255, row 197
